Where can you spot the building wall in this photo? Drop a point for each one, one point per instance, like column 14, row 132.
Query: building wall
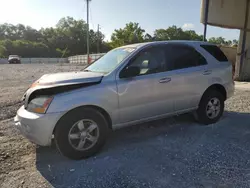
column 230, row 52
column 245, row 70
column 225, row 13
column 231, row 14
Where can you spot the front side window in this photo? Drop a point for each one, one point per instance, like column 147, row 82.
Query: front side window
column 150, row 60
column 110, row 61
column 182, row 56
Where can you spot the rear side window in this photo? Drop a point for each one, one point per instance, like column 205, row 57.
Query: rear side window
column 216, row 52
column 182, row 56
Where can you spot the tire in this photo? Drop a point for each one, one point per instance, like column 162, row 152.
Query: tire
column 206, row 114
column 70, row 140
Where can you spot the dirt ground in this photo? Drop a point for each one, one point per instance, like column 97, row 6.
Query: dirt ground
column 17, row 155
column 174, row 152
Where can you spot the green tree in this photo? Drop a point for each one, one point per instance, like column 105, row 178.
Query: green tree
column 235, row 42
column 216, row 40
column 24, row 48
column 3, row 51
column 192, row 35
column 19, row 32
column 148, row 38
column 69, row 34
column 31, row 34
column 176, row 33
column 223, row 41
column 171, row 33
column 131, row 33
column 69, row 38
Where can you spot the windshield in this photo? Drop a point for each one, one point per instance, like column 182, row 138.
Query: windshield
column 109, row 61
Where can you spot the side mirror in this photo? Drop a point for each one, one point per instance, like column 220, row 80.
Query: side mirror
column 130, row 72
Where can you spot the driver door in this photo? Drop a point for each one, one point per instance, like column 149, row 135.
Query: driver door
column 139, row 95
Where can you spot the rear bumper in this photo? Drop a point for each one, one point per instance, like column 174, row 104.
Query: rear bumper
column 38, row 128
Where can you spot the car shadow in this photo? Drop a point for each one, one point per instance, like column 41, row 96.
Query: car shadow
column 173, row 152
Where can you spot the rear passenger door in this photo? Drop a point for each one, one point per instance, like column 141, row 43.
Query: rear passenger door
column 188, row 71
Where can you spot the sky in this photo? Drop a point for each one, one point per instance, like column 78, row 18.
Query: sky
column 111, row 14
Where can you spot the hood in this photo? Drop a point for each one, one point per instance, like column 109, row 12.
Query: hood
column 51, row 84
column 68, row 78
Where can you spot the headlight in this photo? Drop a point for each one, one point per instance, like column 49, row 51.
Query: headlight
column 39, row 104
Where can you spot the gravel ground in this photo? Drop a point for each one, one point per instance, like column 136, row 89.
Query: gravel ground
column 174, row 152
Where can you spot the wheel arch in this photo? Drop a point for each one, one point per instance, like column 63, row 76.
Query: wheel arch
column 97, row 108
column 218, row 87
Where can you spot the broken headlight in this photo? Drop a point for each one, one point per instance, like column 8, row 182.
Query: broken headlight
column 39, row 104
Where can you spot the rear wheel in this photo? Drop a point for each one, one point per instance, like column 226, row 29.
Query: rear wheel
column 211, row 107
column 81, row 133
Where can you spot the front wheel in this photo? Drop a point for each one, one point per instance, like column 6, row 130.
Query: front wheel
column 81, row 133
column 211, row 107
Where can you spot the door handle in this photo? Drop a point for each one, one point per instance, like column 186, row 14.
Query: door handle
column 207, row 72
column 164, row 80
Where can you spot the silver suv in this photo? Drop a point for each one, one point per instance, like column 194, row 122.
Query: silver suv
column 127, row 86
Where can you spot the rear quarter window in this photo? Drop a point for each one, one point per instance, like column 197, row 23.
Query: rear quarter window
column 216, row 52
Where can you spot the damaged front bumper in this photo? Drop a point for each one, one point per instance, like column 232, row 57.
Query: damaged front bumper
column 38, row 128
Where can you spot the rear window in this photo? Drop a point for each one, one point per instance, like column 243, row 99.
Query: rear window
column 215, row 51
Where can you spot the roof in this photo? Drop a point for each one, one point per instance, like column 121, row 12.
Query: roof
column 189, row 42
column 136, row 45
